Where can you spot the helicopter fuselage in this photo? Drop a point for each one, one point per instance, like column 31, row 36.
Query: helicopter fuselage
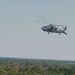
column 53, row 29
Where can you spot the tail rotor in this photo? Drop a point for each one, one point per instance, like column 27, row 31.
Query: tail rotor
column 65, row 28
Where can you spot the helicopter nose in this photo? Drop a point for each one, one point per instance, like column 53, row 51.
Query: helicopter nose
column 42, row 28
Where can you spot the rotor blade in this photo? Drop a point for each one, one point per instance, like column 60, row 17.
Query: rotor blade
column 40, row 22
column 45, row 20
column 59, row 25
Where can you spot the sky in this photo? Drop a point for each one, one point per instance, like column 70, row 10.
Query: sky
column 21, row 36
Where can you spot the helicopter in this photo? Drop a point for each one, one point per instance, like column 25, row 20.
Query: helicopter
column 51, row 28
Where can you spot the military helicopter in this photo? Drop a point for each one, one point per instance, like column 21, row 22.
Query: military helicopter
column 51, row 28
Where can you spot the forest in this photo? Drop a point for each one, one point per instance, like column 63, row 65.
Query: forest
column 21, row 66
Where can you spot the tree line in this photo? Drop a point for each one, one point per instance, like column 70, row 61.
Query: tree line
column 35, row 67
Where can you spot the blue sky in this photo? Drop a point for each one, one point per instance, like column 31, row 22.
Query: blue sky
column 21, row 36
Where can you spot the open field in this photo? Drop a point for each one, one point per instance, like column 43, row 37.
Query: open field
column 18, row 66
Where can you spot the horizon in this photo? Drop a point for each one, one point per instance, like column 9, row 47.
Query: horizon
column 37, row 59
